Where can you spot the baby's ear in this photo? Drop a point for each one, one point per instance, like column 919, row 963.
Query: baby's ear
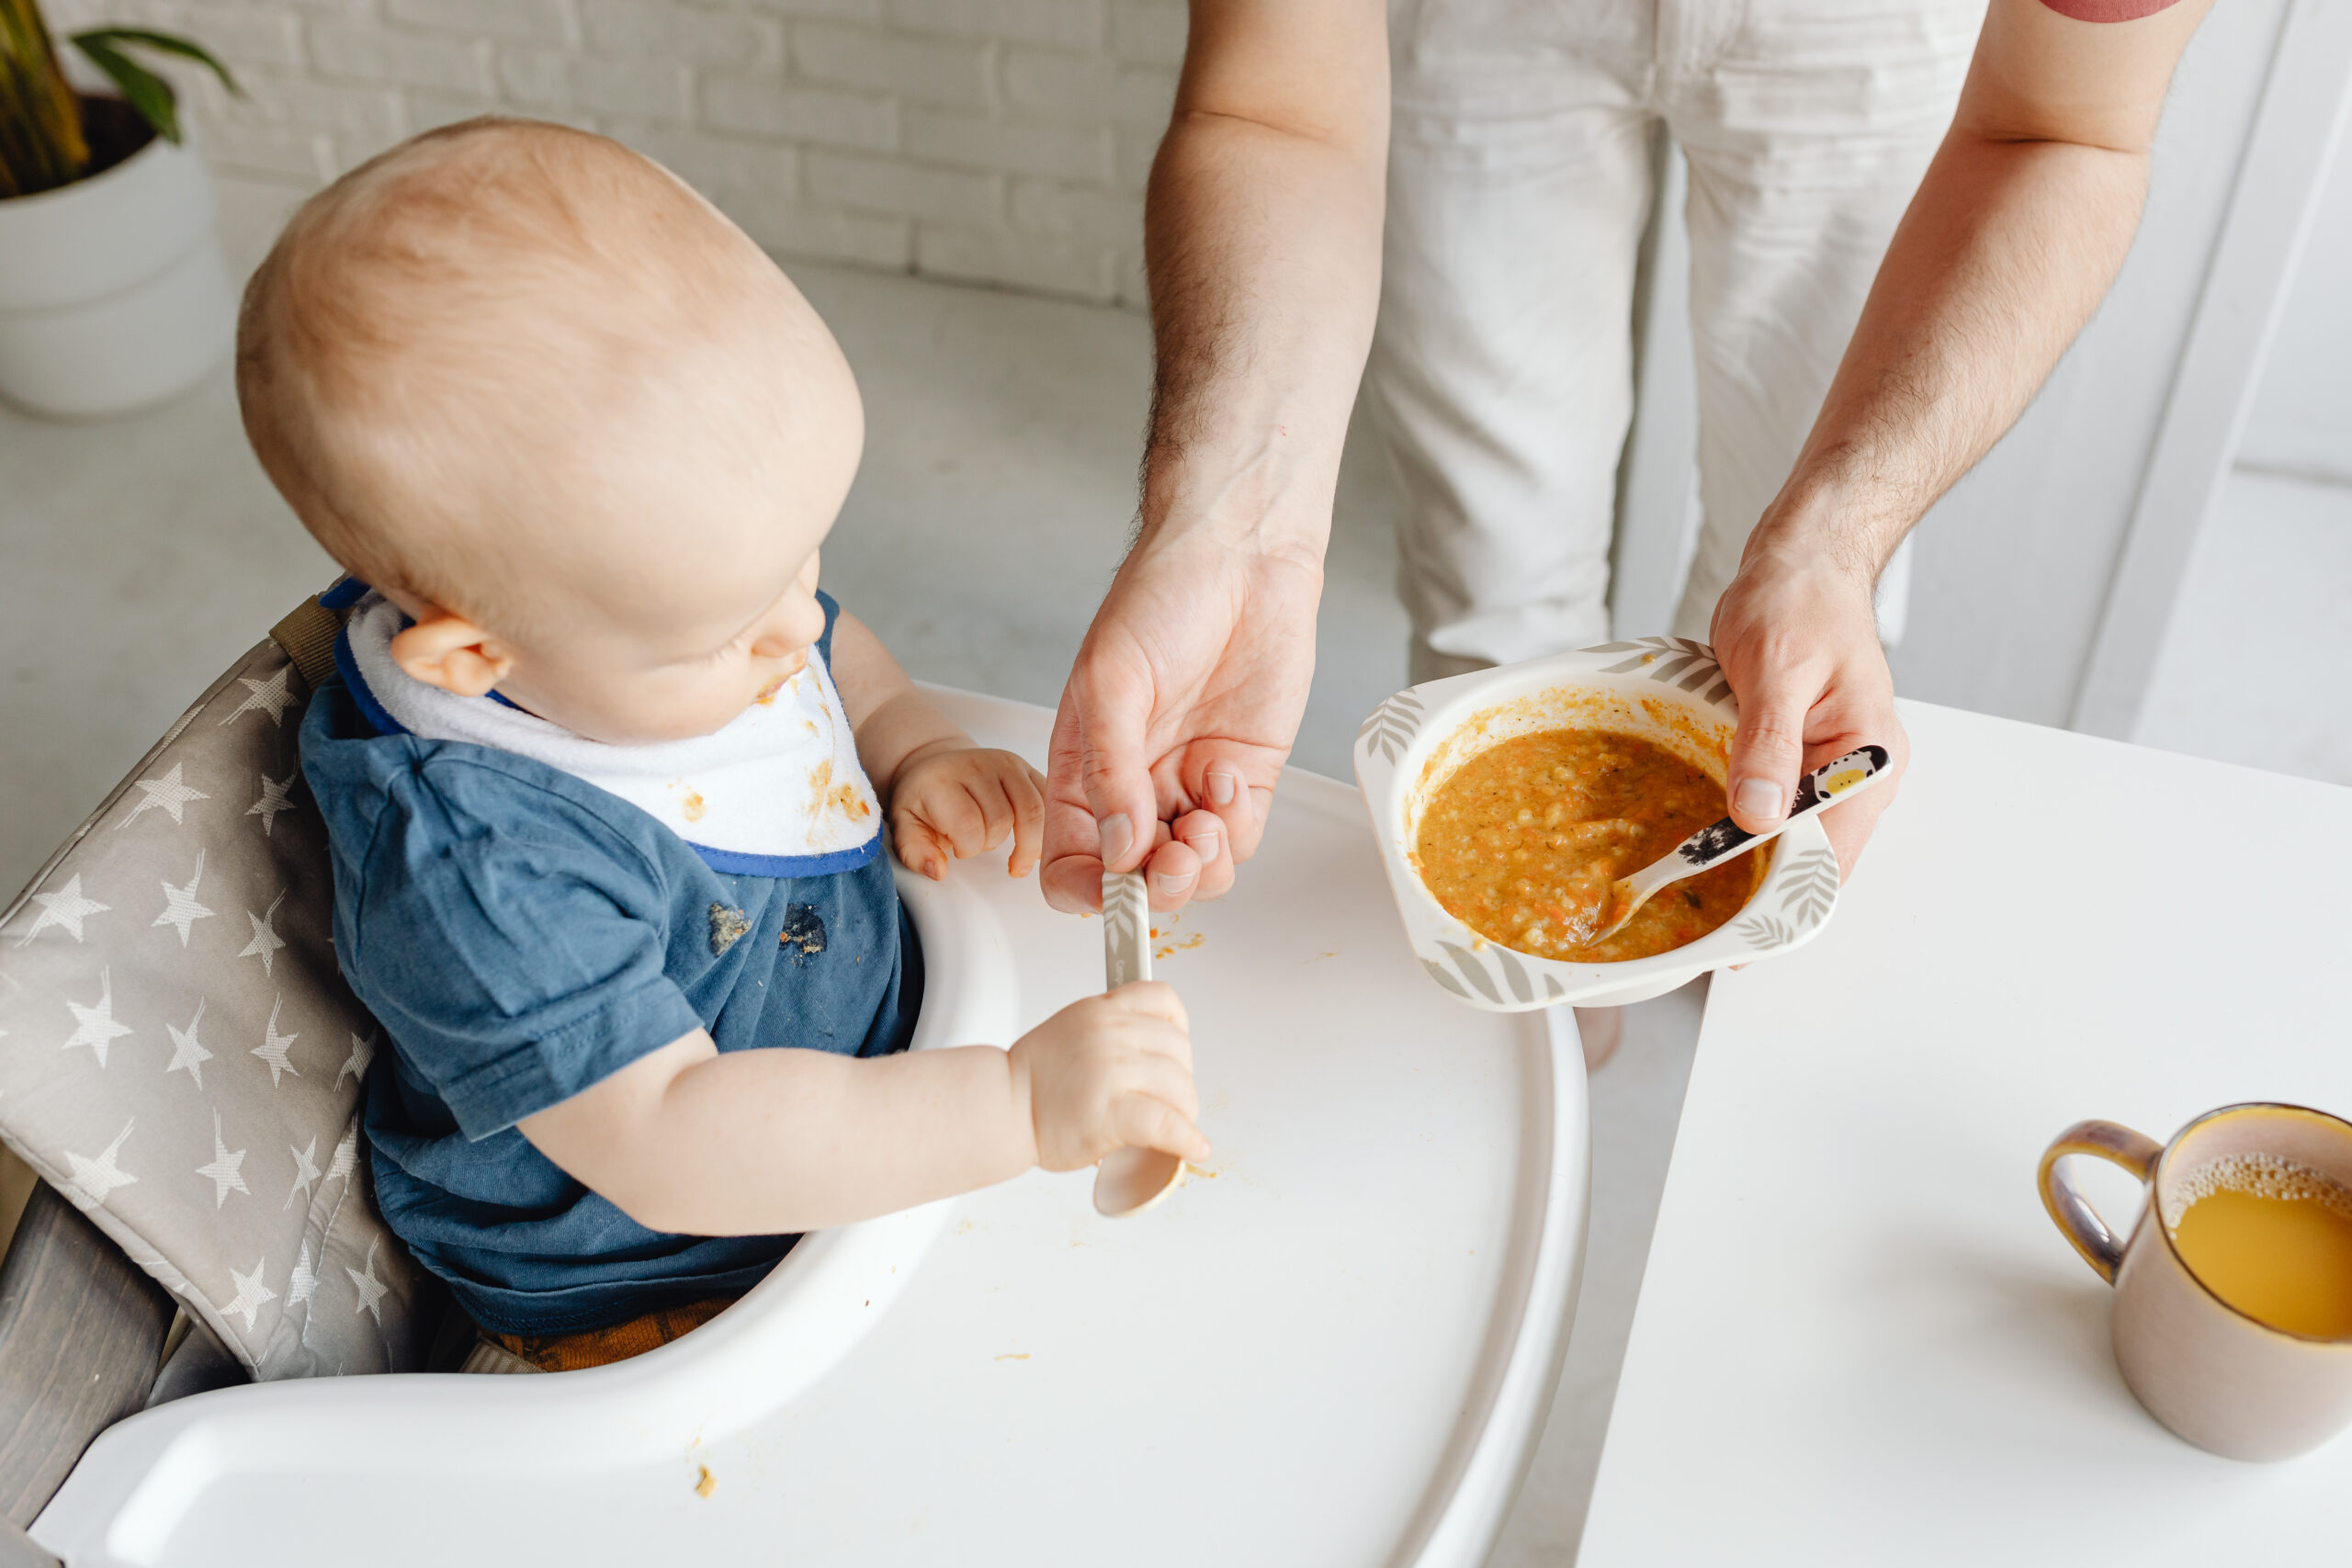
column 451, row 652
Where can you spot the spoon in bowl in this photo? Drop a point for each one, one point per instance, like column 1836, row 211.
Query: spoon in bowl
column 1711, row 846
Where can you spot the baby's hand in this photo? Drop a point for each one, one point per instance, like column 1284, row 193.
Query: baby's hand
column 1111, row 1072
column 962, row 801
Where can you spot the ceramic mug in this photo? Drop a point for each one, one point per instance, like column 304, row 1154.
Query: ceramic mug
column 2225, row 1381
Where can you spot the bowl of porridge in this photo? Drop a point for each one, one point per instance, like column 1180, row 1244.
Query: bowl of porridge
column 1507, row 801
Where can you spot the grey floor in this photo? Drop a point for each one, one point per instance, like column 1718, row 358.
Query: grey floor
column 137, row 557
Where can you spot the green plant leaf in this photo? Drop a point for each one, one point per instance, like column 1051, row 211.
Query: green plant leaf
column 145, row 91
column 168, row 43
column 41, row 145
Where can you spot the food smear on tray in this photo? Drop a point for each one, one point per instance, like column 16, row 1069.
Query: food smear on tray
column 1522, row 843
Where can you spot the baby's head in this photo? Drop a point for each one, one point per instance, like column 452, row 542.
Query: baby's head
column 566, row 415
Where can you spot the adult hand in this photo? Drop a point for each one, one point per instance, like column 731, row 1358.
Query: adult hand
column 1798, row 639
column 1179, row 713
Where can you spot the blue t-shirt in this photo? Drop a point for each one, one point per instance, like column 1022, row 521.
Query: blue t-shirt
column 522, row 935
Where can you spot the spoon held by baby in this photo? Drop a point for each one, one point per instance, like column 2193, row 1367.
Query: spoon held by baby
column 1711, row 846
column 1129, row 1180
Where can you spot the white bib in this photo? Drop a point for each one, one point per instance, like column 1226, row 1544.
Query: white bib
column 779, row 792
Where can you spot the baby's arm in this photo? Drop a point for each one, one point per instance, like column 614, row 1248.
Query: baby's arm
column 766, row 1143
column 895, row 723
column 943, row 796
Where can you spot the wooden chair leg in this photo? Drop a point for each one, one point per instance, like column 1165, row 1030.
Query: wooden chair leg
column 18, row 1550
column 81, row 1336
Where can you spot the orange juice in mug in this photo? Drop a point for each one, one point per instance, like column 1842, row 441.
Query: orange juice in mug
column 2233, row 1294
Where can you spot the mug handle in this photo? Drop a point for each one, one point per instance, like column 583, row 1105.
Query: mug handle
column 2070, row 1210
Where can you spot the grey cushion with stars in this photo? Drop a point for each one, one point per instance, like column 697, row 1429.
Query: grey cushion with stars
column 179, row 1057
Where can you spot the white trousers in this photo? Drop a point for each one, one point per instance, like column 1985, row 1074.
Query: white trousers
column 1520, row 184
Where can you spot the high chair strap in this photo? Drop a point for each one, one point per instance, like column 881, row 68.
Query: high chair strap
column 308, row 634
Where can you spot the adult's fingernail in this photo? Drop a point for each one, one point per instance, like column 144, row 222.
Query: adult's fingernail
column 1758, row 798
column 1222, row 788
column 1118, row 836
column 1204, row 842
column 1171, row 884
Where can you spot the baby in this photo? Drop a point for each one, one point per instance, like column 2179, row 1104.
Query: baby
column 605, row 775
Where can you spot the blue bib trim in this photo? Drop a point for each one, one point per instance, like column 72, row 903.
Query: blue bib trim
column 727, row 863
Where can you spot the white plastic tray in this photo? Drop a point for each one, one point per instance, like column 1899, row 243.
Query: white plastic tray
column 1339, row 1348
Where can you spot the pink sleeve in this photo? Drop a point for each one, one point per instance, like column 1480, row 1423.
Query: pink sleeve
column 2109, row 10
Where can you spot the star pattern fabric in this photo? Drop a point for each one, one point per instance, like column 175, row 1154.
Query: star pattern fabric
column 252, row 1294
column 306, row 1172
column 273, row 1046
column 275, row 794
column 94, row 1026
column 270, row 696
column 91, row 1179
column 346, row 1156
column 166, row 793
column 265, row 941
column 225, row 1171
column 65, row 909
column 186, row 1050
column 371, row 1290
column 113, row 1071
column 363, row 1051
column 303, row 1283
column 181, row 911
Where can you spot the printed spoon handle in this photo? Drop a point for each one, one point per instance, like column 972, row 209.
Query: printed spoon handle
column 1718, row 841
column 1126, row 929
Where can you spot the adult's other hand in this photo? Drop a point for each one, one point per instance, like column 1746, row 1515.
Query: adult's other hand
column 1180, row 708
column 1798, row 640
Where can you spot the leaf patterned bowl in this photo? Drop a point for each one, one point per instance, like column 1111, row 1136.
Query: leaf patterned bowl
column 1668, row 690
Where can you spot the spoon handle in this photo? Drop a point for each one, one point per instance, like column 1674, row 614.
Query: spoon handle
column 1126, row 929
column 1129, row 1180
column 1832, row 782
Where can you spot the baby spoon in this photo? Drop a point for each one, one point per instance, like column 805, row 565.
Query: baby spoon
column 1712, row 845
column 1129, row 1182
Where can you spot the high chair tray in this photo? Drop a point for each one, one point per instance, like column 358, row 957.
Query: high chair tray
column 1337, row 1345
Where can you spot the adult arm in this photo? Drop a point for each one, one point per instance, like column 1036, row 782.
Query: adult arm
column 2012, row 240
column 1261, row 238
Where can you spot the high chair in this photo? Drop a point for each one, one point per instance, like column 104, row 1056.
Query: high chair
column 1337, row 1343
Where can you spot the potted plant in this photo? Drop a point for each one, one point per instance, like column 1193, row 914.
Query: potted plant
column 113, row 292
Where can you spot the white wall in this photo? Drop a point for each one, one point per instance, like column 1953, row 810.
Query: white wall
column 2301, row 421
column 992, row 141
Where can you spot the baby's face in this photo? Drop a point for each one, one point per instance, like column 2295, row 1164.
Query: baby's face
column 566, row 415
column 634, row 679
column 680, row 587
column 653, row 526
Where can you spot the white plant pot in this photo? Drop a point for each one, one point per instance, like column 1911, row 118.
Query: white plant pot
column 113, row 291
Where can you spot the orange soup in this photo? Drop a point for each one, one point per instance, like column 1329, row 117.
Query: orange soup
column 1521, row 844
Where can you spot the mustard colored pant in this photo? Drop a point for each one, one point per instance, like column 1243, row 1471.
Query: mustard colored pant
column 590, row 1347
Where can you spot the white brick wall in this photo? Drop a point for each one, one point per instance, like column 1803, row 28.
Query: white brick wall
column 1000, row 141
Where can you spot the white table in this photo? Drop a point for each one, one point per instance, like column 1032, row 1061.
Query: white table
column 1859, row 1338
column 1337, row 1350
